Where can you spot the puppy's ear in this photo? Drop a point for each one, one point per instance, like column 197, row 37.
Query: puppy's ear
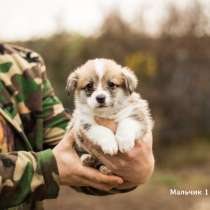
column 71, row 83
column 130, row 79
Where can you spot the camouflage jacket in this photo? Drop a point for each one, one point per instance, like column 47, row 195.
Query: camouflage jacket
column 32, row 121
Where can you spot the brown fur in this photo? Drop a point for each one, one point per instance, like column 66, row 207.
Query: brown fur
column 87, row 72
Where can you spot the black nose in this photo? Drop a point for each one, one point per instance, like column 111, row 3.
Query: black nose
column 100, row 99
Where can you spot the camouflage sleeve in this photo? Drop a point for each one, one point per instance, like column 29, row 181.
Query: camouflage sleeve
column 25, row 176
column 55, row 118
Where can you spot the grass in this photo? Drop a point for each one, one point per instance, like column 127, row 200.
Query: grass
column 183, row 166
column 166, row 179
column 177, row 157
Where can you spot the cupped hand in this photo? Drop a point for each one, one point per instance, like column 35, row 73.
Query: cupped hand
column 73, row 173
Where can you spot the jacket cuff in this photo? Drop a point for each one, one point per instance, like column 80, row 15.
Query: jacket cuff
column 49, row 169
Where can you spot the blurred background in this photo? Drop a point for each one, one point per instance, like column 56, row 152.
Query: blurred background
column 167, row 44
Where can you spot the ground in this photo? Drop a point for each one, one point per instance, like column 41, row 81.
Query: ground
column 184, row 169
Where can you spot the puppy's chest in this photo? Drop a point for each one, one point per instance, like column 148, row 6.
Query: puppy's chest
column 130, row 108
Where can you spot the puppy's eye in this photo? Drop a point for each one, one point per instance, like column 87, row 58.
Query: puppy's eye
column 112, row 85
column 89, row 86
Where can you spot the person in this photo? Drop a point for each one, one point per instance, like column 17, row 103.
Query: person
column 37, row 156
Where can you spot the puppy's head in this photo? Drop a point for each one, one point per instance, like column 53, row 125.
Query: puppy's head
column 101, row 83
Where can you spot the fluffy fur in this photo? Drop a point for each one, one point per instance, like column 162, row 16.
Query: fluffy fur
column 102, row 88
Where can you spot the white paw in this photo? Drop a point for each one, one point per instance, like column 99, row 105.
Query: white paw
column 125, row 142
column 104, row 138
column 127, row 133
column 109, row 146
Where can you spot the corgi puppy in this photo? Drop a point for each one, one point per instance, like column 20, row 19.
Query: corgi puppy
column 102, row 88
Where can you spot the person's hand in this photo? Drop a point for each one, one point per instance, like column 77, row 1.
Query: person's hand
column 73, row 173
column 135, row 167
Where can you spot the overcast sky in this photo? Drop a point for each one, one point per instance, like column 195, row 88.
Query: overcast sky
column 23, row 19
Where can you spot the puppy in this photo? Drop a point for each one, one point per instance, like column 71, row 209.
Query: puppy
column 104, row 89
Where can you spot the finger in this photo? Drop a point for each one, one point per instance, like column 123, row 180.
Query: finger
column 99, row 186
column 126, row 185
column 107, row 160
column 148, row 138
column 85, row 140
column 70, row 136
column 97, row 177
column 81, row 181
column 143, row 146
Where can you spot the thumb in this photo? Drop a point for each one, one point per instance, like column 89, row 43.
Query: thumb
column 69, row 137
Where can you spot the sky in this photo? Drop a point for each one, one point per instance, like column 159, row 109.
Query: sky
column 24, row 19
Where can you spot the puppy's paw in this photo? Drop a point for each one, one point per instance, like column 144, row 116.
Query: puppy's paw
column 109, row 146
column 126, row 134
column 125, row 142
column 104, row 138
column 88, row 160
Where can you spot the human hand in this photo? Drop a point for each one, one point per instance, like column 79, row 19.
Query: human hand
column 73, row 173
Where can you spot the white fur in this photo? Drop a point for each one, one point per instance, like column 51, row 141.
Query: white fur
column 104, row 138
column 127, row 132
column 99, row 66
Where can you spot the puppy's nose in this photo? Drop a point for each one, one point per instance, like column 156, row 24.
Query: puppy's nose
column 100, row 98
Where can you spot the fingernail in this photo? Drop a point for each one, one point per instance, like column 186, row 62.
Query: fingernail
column 120, row 181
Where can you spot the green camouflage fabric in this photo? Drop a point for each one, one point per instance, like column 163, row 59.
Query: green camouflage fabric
column 32, row 122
